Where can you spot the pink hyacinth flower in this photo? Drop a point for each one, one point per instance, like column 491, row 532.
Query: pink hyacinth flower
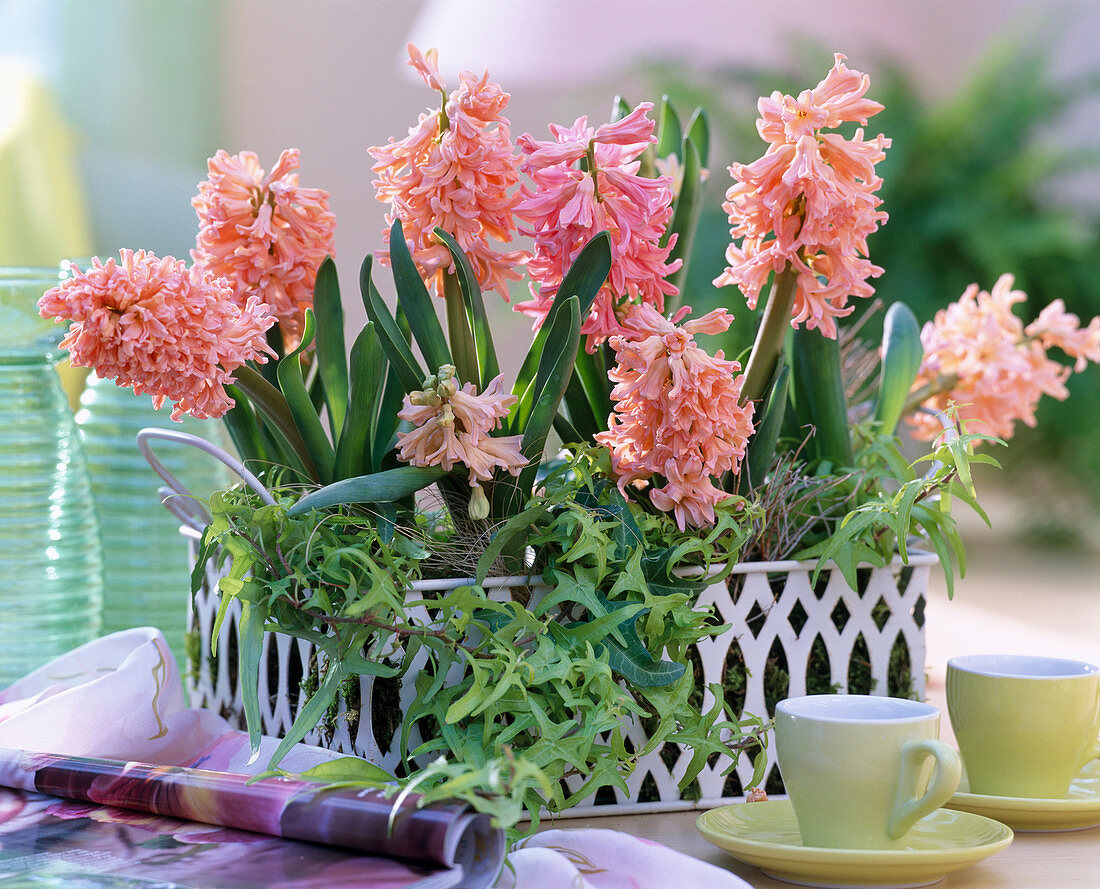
column 996, row 371
column 456, row 170
column 264, row 232
column 454, row 425
column 809, row 202
column 570, row 205
column 677, row 414
column 160, row 328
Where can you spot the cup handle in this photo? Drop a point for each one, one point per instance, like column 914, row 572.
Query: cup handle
column 1094, row 751
column 909, row 809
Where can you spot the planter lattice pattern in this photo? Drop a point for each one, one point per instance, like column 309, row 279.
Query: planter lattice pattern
column 786, row 637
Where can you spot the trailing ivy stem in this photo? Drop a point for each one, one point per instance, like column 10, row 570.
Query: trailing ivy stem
column 769, row 340
column 366, row 620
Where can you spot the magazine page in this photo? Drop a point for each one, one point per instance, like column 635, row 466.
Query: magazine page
column 46, row 841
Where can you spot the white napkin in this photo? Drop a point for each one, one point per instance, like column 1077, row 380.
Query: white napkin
column 597, row 858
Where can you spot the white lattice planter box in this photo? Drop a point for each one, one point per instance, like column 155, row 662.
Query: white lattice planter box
column 786, row 637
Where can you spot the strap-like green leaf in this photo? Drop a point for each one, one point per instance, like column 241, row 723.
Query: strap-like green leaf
column 393, row 341
column 620, row 108
column 555, row 368
column 698, row 133
column 581, row 417
column 313, row 711
column 331, row 355
column 354, row 451
column 670, row 135
column 385, row 421
column 379, row 487
column 583, row 280
column 567, row 432
column 244, row 430
column 590, row 369
column 250, row 644
column 902, row 354
column 685, row 218
column 477, row 322
column 301, row 408
column 761, row 449
column 819, row 395
column 417, row 302
column 267, row 399
column 560, row 353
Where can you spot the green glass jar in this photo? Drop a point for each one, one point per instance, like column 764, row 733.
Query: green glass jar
column 51, row 571
column 145, row 560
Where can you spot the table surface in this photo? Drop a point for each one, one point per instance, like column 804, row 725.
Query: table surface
column 1062, row 860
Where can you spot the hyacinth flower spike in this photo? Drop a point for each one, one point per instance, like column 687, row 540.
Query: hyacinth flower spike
column 803, row 212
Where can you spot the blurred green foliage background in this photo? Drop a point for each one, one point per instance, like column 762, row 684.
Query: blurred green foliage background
column 971, row 184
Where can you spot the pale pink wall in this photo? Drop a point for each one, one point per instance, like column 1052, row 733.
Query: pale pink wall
column 327, row 78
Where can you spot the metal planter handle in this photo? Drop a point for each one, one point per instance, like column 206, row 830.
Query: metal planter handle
column 176, row 498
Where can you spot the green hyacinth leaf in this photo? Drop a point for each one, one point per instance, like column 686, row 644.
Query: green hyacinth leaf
column 670, row 135
column 331, row 355
column 583, row 280
column 769, row 424
column 685, row 218
column 902, row 354
column 379, row 487
column 354, row 451
column 390, row 335
column 819, row 395
column 620, row 108
column 477, row 321
column 555, row 368
column 698, row 134
column 417, row 302
column 301, row 407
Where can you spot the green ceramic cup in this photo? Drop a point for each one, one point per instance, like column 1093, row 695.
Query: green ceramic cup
column 1025, row 725
column 862, row 770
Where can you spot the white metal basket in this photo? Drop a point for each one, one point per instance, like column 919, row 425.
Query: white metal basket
column 775, row 617
column 780, row 628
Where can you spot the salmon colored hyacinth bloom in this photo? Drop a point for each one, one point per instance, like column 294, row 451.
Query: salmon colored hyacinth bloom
column 456, row 170
column 453, row 427
column 676, row 413
column 587, row 181
column 264, row 232
column 810, row 201
column 992, row 368
column 161, row 328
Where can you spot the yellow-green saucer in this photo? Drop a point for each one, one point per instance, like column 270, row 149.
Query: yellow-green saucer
column 1078, row 810
column 766, row 835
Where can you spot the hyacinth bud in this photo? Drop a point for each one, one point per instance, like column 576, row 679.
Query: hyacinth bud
column 446, row 416
column 479, row 503
column 427, row 397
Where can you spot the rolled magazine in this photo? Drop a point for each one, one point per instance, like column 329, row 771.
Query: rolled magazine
column 356, row 837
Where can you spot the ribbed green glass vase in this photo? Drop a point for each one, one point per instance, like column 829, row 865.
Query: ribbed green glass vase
column 145, row 558
column 51, row 578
